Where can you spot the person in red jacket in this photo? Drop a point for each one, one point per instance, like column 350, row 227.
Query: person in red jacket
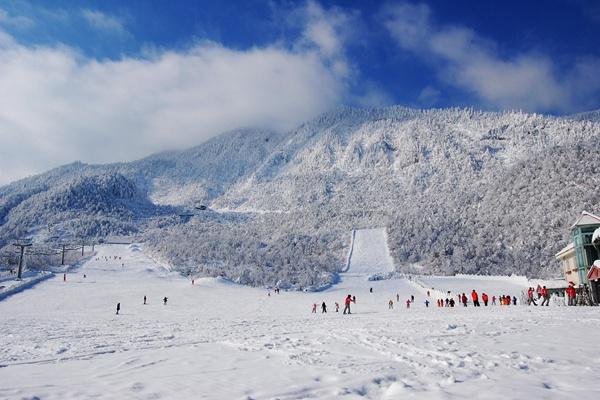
column 475, row 298
column 485, row 299
column 347, row 304
column 530, row 296
column 464, row 299
column 545, row 296
column 571, row 294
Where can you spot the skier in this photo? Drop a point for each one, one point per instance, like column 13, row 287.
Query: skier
column 427, row 303
column 144, row 299
column 192, row 281
column 165, row 300
column 397, row 297
column 408, row 303
column 451, row 302
column 464, row 299
column 475, row 298
column 84, row 276
column 514, row 300
column 493, row 300
column 323, row 308
column 485, row 299
column 64, row 277
column 314, row 309
column 347, row 302
column 412, row 298
column 118, row 308
column 370, row 290
column 337, row 307
column 428, row 294
column 390, row 304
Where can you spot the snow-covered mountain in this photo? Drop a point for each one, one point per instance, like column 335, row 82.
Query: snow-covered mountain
column 457, row 190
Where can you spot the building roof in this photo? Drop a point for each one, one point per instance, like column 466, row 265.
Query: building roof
column 594, row 272
column 570, row 246
column 587, row 218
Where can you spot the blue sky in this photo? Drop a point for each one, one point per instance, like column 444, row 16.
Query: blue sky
column 141, row 76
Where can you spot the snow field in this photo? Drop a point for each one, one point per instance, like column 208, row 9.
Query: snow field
column 217, row 340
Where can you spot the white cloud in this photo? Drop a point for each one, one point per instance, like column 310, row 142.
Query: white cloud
column 58, row 106
column 328, row 32
column 104, row 22
column 462, row 58
column 12, row 21
column 429, row 96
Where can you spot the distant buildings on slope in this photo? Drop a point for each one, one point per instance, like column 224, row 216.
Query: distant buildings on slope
column 580, row 260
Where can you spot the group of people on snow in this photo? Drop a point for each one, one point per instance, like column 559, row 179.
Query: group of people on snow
column 165, row 299
column 485, row 298
column 542, row 293
column 349, row 300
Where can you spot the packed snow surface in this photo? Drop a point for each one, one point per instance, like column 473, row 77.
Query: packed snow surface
column 217, row 340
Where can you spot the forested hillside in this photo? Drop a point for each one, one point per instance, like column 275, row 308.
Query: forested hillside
column 458, row 190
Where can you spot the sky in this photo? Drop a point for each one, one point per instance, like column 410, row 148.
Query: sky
column 114, row 80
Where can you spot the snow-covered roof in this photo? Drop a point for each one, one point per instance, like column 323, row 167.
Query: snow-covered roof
column 594, row 271
column 564, row 250
column 596, row 236
column 587, row 218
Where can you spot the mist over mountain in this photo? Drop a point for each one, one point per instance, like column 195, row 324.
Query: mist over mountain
column 458, row 190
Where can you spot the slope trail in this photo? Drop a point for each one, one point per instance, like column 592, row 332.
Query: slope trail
column 370, row 253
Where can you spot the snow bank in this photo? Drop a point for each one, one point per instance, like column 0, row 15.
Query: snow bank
column 516, row 279
column 13, row 286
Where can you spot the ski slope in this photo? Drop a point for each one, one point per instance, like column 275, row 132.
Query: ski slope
column 370, row 253
column 217, row 340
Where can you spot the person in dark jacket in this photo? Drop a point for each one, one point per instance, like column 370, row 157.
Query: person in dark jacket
column 323, row 308
column 165, row 300
column 118, row 308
